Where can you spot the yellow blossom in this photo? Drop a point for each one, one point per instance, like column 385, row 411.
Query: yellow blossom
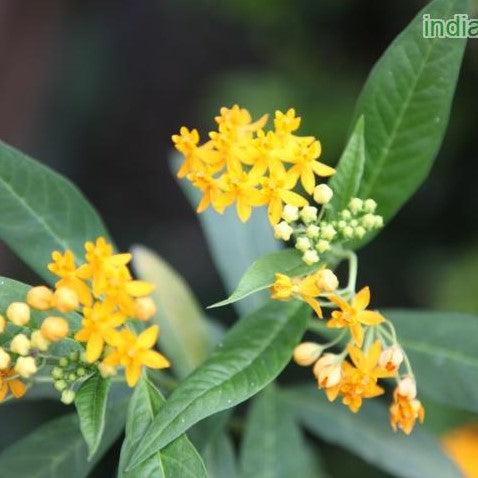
column 461, row 444
column 133, row 352
column 354, row 315
column 405, row 411
column 10, row 384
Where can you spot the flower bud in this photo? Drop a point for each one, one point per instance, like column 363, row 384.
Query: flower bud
column 303, row 244
column 66, row 299
column 18, row 313
column 54, row 328
column 341, row 225
column 20, row 344
column 3, row 324
column 107, row 370
column 322, row 246
column 391, row 358
column 369, row 205
column 63, row 362
column 348, row 232
column 145, row 308
column 378, row 222
column 346, row 214
column 40, row 298
column 290, row 213
column 407, row 388
column 67, row 397
column 26, row 367
column 4, row 359
column 81, row 372
column 355, row 205
column 322, row 194
column 310, row 257
column 308, row 214
column 38, row 341
column 327, row 280
column 282, row 288
column 283, row 231
column 360, row 232
column 368, row 221
column 60, row 385
column 328, row 370
column 328, row 232
column 57, row 372
column 307, row 353
column 312, row 231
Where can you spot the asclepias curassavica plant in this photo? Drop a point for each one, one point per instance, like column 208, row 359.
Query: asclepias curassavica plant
column 89, row 334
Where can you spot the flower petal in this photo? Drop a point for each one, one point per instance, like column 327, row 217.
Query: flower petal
column 17, row 387
column 148, row 337
column 361, row 299
column 133, row 372
column 139, row 288
column 369, row 317
column 153, row 359
column 94, row 347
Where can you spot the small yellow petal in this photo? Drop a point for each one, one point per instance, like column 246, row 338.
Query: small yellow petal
column 148, row 337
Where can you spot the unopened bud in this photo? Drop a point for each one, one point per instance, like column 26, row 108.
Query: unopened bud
column 54, row 328
column 360, row 232
column 283, row 231
column 63, row 362
column 307, row 353
column 107, row 370
column 290, row 213
column 20, row 344
column 40, row 298
column 378, row 222
column 322, row 246
column 4, row 359
column 60, row 385
column 328, row 370
column 303, row 243
column 368, row 221
column 369, row 205
column 26, row 367
column 57, row 372
column 67, row 397
column 66, row 299
column 310, row 257
column 327, row 280
column 322, row 194
column 308, row 214
column 348, row 232
column 346, row 214
column 145, row 308
column 3, row 324
column 328, row 232
column 312, row 231
column 407, row 388
column 38, row 341
column 18, row 313
column 355, row 205
column 391, row 358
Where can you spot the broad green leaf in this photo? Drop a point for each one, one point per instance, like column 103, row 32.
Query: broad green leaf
column 220, row 458
column 406, row 103
column 233, row 245
column 443, row 352
column 346, row 180
column 184, row 334
column 90, row 401
column 251, row 355
column 57, row 448
column 178, row 459
column 260, row 275
column 368, row 434
column 41, row 211
column 273, row 445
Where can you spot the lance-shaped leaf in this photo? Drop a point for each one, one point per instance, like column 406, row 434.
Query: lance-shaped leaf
column 368, row 434
column 406, row 103
column 442, row 349
column 178, row 459
column 184, row 334
column 90, row 402
column 251, row 355
column 41, row 211
column 346, row 181
column 261, row 274
column 57, row 448
column 273, row 444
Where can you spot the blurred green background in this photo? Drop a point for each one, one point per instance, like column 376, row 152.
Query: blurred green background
column 95, row 89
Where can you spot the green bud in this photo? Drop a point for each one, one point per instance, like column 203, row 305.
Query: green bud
column 60, row 385
column 72, row 377
column 81, row 372
column 67, row 396
column 63, row 362
column 74, row 356
column 57, row 372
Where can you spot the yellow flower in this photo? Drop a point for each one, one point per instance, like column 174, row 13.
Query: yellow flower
column 286, row 123
column 98, row 324
column 72, row 277
column 133, row 352
column 404, row 412
column 212, row 193
column 461, row 444
column 186, row 142
column 8, row 383
column 353, row 315
column 282, row 288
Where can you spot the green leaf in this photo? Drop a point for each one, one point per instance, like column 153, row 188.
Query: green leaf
column 406, row 102
column 251, row 355
column 261, row 274
column 57, row 448
column 220, row 458
column 233, row 245
column 90, row 403
column 273, row 445
column 442, row 349
column 346, row 181
column 368, row 434
column 178, row 459
column 184, row 333
column 41, row 211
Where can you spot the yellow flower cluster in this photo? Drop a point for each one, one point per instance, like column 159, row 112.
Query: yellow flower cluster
column 243, row 163
column 356, row 379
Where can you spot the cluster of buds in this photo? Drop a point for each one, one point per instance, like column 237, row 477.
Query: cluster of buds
column 314, row 236
column 70, row 372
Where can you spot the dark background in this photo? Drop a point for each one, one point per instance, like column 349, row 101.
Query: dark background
column 95, row 89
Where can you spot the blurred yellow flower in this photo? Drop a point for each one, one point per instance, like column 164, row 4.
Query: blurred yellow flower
column 461, row 444
column 10, row 384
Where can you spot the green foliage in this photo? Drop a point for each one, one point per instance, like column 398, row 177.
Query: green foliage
column 273, row 445
column 90, row 403
column 57, row 448
column 41, row 211
column 219, row 457
column 368, row 435
column 251, row 355
column 346, row 181
column 406, row 102
column 185, row 337
column 178, row 459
